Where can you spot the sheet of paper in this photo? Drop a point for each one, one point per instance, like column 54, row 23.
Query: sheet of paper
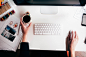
column 6, row 44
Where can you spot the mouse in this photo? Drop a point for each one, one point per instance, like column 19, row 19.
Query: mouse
column 71, row 34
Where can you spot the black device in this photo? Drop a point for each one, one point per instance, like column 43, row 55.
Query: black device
column 49, row 2
column 85, row 40
column 83, row 23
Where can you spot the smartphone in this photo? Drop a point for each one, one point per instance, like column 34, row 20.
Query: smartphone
column 83, row 23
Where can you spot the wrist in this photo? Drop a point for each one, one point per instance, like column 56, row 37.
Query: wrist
column 24, row 38
column 24, row 34
column 72, row 53
column 72, row 49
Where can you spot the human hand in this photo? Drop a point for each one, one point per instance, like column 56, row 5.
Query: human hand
column 72, row 41
column 24, row 29
column 68, row 41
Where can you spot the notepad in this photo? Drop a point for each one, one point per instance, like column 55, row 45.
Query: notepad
column 6, row 8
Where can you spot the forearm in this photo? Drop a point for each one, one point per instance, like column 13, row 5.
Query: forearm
column 24, row 38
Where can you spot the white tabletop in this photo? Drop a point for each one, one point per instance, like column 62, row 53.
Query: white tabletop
column 68, row 16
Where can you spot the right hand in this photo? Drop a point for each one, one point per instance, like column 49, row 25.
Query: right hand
column 72, row 41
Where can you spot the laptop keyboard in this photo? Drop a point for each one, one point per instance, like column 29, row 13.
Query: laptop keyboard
column 46, row 29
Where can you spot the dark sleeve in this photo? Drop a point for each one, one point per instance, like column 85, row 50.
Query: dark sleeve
column 24, row 49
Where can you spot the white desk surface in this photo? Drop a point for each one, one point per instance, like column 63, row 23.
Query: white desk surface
column 65, row 17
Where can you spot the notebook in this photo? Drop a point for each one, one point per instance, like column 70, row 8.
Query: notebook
column 6, row 8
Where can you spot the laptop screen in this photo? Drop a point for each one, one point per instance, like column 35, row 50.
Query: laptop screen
column 57, row 2
column 47, row 2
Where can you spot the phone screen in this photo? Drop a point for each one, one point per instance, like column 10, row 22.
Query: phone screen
column 84, row 20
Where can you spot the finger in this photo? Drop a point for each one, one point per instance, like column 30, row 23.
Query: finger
column 29, row 25
column 68, row 34
column 70, row 41
column 67, row 39
column 72, row 34
column 22, row 25
column 75, row 35
column 23, row 14
column 21, row 22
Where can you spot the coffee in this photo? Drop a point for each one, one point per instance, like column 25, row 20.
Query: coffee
column 26, row 18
